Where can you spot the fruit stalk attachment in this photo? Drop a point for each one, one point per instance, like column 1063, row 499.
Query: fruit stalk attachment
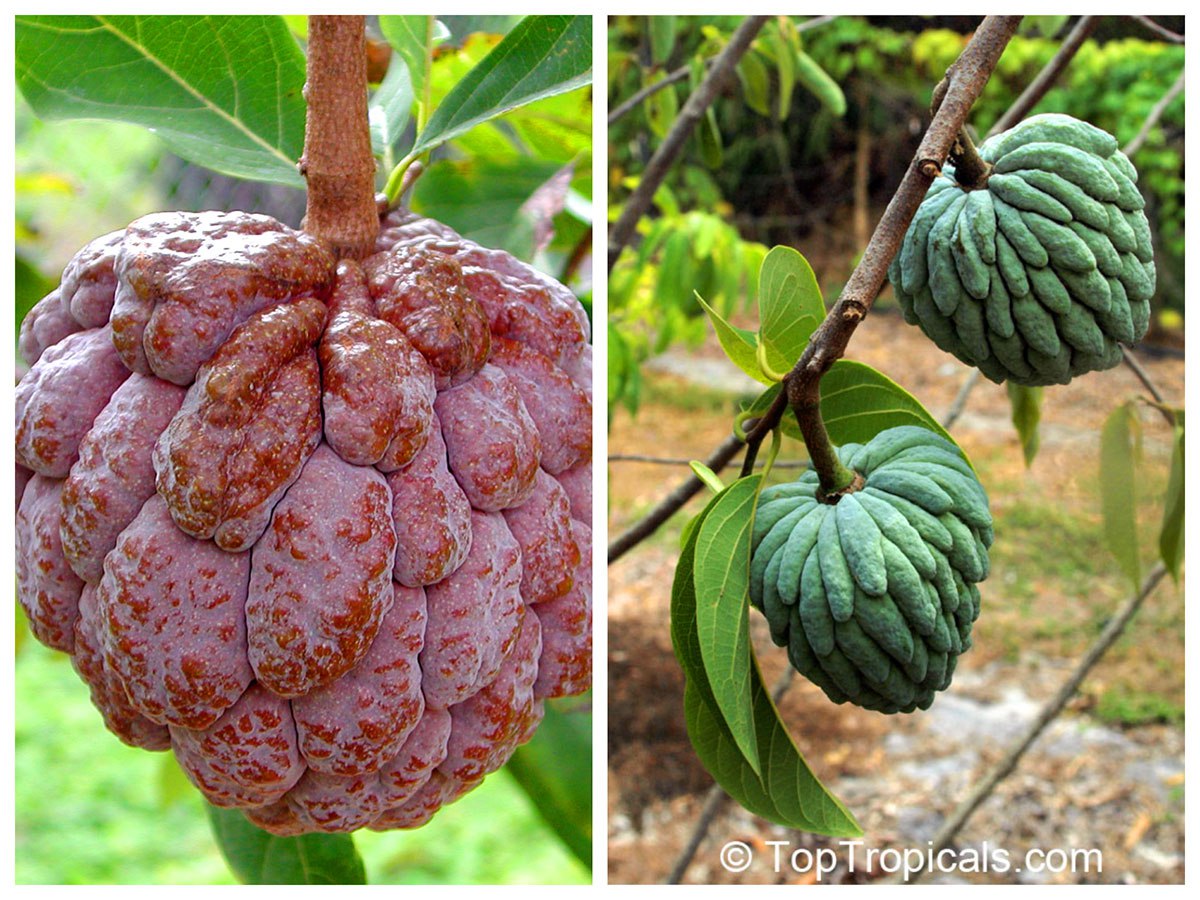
column 337, row 161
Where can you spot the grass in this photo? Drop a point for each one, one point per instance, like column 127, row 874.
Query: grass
column 90, row 810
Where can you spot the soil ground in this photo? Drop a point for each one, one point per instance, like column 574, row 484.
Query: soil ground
column 1108, row 775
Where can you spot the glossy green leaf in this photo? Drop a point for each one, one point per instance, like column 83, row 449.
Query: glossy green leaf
column 412, row 37
column 722, row 577
column 738, row 343
column 555, row 770
column 1118, row 500
column 1026, row 414
column 1170, row 541
column 222, row 91
column 540, row 57
column 662, row 38
column 257, row 857
column 858, row 402
column 789, row 308
column 787, row 792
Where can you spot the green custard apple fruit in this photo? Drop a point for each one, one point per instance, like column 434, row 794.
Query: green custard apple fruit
column 1043, row 271
column 874, row 596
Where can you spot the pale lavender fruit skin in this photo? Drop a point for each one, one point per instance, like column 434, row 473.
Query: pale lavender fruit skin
column 248, row 757
column 47, row 587
column 474, row 615
column 495, row 466
column 114, row 475
column 549, row 553
column 360, row 722
column 431, row 515
column 60, row 397
column 181, row 662
column 565, row 666
column 445, row 591
column 321, row 577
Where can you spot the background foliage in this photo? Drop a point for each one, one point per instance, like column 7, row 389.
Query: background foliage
column 787, row 175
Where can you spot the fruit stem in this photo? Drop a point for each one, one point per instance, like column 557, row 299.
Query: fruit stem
column 337, row 161
column 835, row 478
column 970, row 169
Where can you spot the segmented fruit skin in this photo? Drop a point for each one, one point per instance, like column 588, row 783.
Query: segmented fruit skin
column 1041, row 274
column 300, row 522
column 874, row 596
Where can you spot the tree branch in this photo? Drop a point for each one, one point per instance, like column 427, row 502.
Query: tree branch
column 966, row 79
column 664, row 157
column 337, row 160
column 1158, row 29
column 1050, row 711
column 1045, row 79
column 722, row 455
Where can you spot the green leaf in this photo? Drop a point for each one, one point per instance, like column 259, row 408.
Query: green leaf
column 257, row 857
column 412, row 37
column 756, row 84
column 661, row 108
column 707, row 475
column 482, row 199
column 712, row 151
column 785, row 69
column 542, row 56
column 389, row 111
column 676, row 271
column 858, row 402
column 789, row 307
column 722, row 576
column 662, row 38
column 555, row 770
column 1117, row 498
column 222, row 91
column 787, row 793
column 1026, row 414
column 1170, row 541
column 738, row 343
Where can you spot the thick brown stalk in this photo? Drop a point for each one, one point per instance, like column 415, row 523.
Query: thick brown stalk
column 337, row 161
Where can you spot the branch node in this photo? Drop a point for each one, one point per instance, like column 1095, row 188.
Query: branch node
column 929, row 168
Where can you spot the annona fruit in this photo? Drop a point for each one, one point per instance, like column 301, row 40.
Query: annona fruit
column 301, row 521
column 874, row 596
column 1042, row 272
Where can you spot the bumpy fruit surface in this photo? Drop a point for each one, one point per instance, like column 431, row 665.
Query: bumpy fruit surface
column 1041, row 273
column 874, row 596
column 320, row 528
